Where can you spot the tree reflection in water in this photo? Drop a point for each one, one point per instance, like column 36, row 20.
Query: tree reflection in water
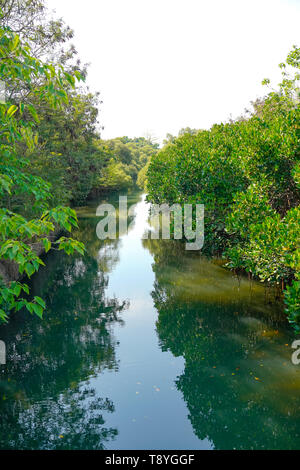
column 239, row 384
column 46, row 400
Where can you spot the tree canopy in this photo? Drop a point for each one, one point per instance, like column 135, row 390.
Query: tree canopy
column 246, row 172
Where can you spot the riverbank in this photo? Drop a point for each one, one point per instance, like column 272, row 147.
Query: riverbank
column 150, row 346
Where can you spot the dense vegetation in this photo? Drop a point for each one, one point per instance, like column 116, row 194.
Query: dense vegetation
column 52, row 156
column 247, row 173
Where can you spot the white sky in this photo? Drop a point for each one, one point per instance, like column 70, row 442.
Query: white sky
column 161, row 65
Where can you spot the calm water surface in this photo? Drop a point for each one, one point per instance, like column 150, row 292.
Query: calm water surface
column 147, row 346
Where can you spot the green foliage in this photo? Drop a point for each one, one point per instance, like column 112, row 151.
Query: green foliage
column 51, row 151
column 20, row 235
column 124, row 160
column 292, row 301
column 142, row 176
column 114, row 177
column 199, row 168
column 69, row 149
column 270, row 247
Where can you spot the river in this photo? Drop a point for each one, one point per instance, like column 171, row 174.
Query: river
column 145, row 345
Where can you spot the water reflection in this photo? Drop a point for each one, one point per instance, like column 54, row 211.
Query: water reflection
column 241, row 389
column 95, row 374
column 46, row 401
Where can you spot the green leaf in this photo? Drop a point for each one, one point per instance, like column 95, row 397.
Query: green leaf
column 47, row 244
column 3, row 316
column 11, row 110
column 70, row 79
column 29, row 269
column 33, row 113
column 38, row 310
column 40, row 302
column 15, row 43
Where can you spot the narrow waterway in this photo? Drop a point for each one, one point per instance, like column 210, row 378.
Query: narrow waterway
column 147, row 346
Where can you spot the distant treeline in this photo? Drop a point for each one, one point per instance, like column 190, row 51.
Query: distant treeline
column 51, row 152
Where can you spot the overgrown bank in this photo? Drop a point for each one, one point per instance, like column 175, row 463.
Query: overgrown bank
column 247, row 173
column 52, row 156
